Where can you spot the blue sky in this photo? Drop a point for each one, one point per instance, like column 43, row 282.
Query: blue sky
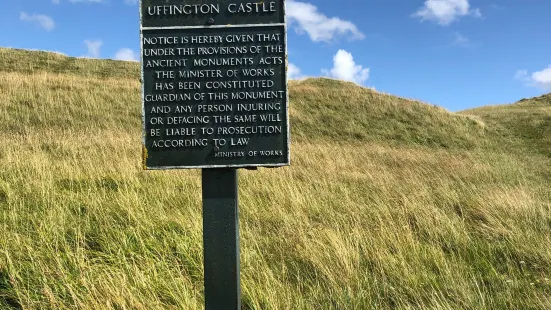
column 457, row 54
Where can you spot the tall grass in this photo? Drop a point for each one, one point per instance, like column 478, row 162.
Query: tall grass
column 388, row 204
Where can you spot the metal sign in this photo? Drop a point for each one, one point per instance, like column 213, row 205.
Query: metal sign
column 214, row 84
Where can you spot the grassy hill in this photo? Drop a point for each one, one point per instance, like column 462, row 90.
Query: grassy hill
column 389, row 203
column 528, row 122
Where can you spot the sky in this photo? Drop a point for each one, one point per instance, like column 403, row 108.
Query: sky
column 457, row 54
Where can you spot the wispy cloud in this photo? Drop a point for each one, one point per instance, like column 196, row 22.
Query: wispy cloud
column 293, row 73
column 461, row 40
column 126, row 54
column 93, row 48
column 307, row 19
column 43, row 21
column 444, row 12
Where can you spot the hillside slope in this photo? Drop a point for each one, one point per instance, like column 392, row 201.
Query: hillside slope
column 528, row 121
column 322, row 109
column 389, row 203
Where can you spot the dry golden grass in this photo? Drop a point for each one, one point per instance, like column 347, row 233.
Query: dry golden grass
column 401, row 206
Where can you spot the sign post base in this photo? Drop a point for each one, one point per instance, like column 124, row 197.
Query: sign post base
column 221, row 239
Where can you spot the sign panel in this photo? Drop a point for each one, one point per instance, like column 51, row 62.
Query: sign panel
column 214, row 84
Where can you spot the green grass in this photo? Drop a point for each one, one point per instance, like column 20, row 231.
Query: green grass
column 389, row 203
column 526, row 123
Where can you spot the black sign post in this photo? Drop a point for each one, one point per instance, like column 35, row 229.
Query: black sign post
column 221, row 239
column 214, row 91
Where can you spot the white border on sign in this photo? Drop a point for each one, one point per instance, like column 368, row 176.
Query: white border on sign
column 214, row 26
column 144, row 132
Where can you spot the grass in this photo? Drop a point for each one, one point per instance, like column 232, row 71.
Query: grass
column 389, row 203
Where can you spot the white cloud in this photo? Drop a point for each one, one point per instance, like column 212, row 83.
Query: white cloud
column 293, row 72
column 55, row 1
column 540, row 79
column 319, row 27
column 444, row 12
column 93, row 48
column 43, row 21
column 126, row 54
column 344, row 68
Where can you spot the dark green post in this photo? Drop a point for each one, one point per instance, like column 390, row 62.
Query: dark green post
column 221, row 239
